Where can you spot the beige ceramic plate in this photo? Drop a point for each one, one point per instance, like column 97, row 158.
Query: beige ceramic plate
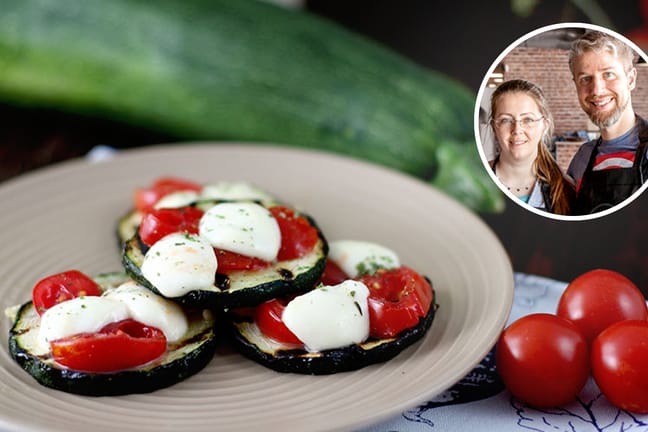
column 64, row 217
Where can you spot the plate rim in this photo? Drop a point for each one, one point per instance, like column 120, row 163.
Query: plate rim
column 197, row 146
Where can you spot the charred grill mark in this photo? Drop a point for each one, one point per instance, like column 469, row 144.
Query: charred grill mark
column 222, row 281
column 285, row 274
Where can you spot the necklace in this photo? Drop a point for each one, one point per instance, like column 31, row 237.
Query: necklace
column 527, row 187
column 518, row 188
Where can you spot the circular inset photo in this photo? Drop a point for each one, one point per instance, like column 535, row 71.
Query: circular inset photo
column 561, row 121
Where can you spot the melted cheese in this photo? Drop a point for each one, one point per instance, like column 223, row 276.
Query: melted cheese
column 225, row 191
column 79, row 315
column 90, row 314
column 330, row 317
column 151, row 309
column 179, row 263
column 357, row 257
column 234, row 191
column 245, row 228
column 177, row 199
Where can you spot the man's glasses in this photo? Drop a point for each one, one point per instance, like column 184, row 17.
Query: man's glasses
column 507, row 123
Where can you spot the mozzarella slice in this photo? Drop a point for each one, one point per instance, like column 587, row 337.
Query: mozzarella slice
column 245, row 228
column 357, row 257
column 79, row 315
column 151, row 309
column 179, row 263
column 177, row 199
column 234, row 191
column 330, row 316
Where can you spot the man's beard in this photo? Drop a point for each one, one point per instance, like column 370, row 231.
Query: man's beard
column 606, row 119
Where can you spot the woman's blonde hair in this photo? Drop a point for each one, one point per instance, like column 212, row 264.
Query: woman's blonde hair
column 545, row 166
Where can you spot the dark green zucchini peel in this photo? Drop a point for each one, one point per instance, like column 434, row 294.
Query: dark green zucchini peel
column 250, row 342
column 183, row 359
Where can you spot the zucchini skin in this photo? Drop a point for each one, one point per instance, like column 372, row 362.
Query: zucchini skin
column 244, row 71
column 350, row 358
column 282, row 282
column 162, row 373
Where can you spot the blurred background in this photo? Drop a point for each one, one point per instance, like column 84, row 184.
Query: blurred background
column 459, row 38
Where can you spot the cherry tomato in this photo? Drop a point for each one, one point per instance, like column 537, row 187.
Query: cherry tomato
column 268, row 318
column 117, row 346
column 543, row 360
column 333, row 274
column 298, row 236
column 145, row 198
column 231, row 261
column 619, row 359
column 398, row 299
column 161, row 222
column 599, row 298
column 60, row 287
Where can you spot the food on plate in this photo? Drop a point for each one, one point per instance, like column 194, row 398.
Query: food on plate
column 366, row 309
column 543, row 360
column 107, row 335
column 226, row 254
column 171, row 192
column 598, row 298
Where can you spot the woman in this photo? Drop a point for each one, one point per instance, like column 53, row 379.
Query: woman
column 523, row 127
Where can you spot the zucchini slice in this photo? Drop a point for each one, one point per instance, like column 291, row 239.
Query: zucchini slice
column 250, row 342
column 241, row 288
column 127, row 226
column 183, row 359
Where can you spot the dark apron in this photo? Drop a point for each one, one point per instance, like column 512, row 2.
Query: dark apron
column 601, row 190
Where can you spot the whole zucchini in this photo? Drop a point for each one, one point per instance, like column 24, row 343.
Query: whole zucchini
column 245, row 71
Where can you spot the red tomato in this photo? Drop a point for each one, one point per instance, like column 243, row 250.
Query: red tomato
column 145, row 198
column 60, row 287
column 619, row 359
column 117, row 346
column 268, row 318
column 599, row 298
column 398, row 299
column 543, row 360
column 161, row 222
column 231, row 261
column 298, row 236
column 333, row 274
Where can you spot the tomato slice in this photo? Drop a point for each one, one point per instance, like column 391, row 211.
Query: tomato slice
column 118, row 346
column 161, row 222
column 298, row 236
column 398, row 299
column 60, row 287
column 145, row 198
column 268, row 318
column 333, row 274
column 231, row 261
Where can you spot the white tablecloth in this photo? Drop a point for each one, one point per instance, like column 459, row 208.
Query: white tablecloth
column 479, row 402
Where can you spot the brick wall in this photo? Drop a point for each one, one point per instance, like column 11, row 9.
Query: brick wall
column 548, row 68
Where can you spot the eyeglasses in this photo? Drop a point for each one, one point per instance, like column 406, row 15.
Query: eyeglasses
column 507, row 123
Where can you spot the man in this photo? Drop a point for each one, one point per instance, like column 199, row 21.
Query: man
column 611, row 168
